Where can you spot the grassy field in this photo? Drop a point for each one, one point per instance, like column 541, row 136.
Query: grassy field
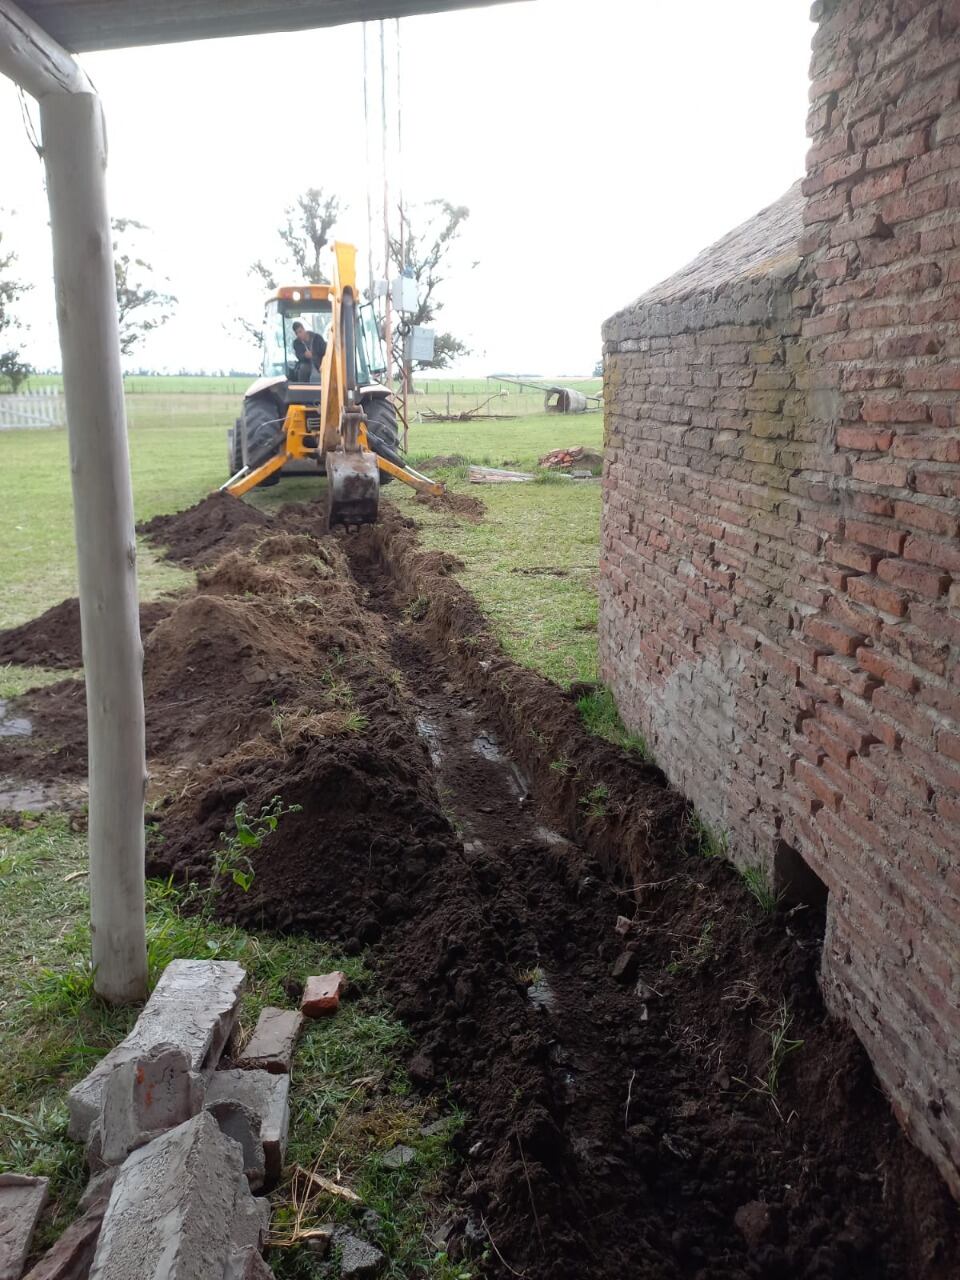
column 178, row 454
column 173, row 396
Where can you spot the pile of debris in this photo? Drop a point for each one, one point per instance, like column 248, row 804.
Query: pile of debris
column 577, row 461
column 180, row 1149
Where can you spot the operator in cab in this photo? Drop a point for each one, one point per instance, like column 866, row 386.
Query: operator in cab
column 309, row 349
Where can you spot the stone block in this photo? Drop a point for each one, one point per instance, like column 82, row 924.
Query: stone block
column 269, row 1096
column 242, row 1124
column 321, row 995
column 21, row 1202
column 248, row 1265
column 194, row 1006
column 359, row 1260
column 181, row 1207
column 72, row 1256
column 274, row 1039
column 144, row 1096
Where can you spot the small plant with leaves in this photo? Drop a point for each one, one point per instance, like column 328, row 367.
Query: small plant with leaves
column 758, row 886
column 563, row 765
column 599, row 713
column 782, row 1044
column 232, row 860
column 595, row 800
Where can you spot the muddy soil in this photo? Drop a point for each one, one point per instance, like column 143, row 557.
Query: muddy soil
column 53, row 639
column 599, row 997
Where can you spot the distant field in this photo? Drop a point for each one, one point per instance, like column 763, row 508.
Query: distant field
column 438, row 395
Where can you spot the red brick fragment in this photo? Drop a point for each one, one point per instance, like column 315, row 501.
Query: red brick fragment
column 321, row 995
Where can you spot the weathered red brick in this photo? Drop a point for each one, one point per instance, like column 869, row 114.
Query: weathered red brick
column 913, row 577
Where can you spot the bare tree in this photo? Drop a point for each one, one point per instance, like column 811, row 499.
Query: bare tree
column 425, row 255
column 141, row 307
column 14, row 370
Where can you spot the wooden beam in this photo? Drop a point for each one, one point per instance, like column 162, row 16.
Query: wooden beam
column 75, row 151
column 35, row 61
column 83, row 25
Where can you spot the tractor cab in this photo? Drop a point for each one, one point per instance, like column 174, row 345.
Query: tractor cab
column 311, row 306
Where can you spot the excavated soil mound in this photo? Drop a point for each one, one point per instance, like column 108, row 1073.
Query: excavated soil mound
column 53, row 639
column 196, row 536
column 461, row 504
column 602, row 1001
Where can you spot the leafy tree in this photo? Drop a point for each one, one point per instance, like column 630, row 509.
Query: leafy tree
column 304, row 236
column 13, row 369
column 598, row 369
column 141, row 307
column 425, row 255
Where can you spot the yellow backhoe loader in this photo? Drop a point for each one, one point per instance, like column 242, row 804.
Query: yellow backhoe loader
column 322, row 416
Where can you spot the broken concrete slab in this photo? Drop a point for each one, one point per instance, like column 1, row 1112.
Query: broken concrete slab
column 144, row 1096
column 72, row 1255
column 181, row 1207
column 242, row 1124
column 21, row 1202
column 359, row 1260
column 321, row 995
column 274, row 1039
column 248, row 1265
column 194, row 1006
column 269, row 1096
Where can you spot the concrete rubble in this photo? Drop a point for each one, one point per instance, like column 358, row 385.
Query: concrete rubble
column 274, row 1039
column 242, row 1124
column 141, row 1098
column 176, row 1148
column 21, row 1202
column 268, row 1096
column 194, row 1006
column 182, row 1208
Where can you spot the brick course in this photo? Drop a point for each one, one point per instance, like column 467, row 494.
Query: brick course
column 780, row 586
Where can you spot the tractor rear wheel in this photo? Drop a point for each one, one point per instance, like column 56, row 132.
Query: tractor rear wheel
column 382, row 429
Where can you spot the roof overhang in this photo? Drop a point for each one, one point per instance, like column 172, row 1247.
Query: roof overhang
column 85, row 25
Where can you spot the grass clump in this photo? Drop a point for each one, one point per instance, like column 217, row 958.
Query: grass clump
column 758, row 886
column 708, row 842
column 600, row 715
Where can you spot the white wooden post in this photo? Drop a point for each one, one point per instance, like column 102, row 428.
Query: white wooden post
column 75, row 153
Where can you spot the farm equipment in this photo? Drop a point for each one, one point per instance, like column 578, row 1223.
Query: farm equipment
column 322, row 416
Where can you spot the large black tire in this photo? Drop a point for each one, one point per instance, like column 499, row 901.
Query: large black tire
column 382, row 432
column 262, row 429
column 235, row 460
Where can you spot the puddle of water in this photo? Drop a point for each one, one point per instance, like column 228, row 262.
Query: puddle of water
column 487, row 747
column 541, row 994
column 13, row 726
column 26, row 798
column 430, row 733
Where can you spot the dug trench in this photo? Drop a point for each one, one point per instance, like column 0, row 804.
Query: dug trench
column 652, row 1085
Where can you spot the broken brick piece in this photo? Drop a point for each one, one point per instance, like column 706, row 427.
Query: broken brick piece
column 321, row 995
column 274, row 1039
column 21, row 1202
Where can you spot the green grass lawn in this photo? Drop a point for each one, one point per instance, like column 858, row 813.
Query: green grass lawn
column 178, row 454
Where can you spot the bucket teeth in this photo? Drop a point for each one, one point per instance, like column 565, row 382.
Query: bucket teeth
column 353, row 488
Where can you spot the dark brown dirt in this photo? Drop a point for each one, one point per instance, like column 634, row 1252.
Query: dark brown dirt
column 53, row 639
column 193, row 537
column 598, row 997
column 461, row 504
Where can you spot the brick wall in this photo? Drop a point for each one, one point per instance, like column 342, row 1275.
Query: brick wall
column 780, row 606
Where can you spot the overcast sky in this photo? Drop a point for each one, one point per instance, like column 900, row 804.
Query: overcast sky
column 598, row 145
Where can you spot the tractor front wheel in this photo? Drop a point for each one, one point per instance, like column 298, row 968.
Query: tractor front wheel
column 382, row 433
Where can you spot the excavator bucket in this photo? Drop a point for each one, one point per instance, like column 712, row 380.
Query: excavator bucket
column 353, row 487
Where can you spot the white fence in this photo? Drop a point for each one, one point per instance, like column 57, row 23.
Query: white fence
column 43, row 407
